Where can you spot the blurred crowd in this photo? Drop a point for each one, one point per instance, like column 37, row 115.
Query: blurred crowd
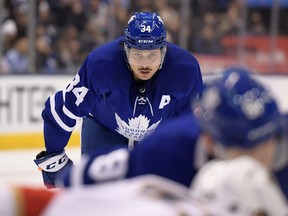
column 67, row 30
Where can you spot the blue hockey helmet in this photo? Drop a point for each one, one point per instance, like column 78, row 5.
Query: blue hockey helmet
column 237, row 110
column 145, row 31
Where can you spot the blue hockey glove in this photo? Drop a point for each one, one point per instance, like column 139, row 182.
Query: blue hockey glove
column 52, row 165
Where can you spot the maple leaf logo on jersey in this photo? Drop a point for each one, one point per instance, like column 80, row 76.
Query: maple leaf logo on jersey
column 137, row 128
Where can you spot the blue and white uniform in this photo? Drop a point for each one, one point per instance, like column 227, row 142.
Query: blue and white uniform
column 123, row 91
column 172, row 152
column 122, row 109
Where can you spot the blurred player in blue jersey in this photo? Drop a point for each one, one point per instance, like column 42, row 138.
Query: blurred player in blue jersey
column 124, row 90
column 234, row 116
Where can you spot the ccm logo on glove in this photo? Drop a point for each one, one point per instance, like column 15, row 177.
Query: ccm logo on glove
column 55, row 163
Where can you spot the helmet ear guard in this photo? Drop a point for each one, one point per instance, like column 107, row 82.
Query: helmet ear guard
column 145, row 31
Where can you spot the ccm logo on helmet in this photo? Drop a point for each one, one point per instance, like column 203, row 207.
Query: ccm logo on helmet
column 145, row 41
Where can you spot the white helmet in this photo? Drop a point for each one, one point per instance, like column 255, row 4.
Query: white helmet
column 238, row 187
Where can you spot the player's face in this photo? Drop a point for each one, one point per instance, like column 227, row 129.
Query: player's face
column 144, row 63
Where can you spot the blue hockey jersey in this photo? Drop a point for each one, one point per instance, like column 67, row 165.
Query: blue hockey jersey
column 104, row 89
column 173, row 152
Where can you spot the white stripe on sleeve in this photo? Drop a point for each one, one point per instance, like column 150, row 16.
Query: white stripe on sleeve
column 56, row 116
column 69, row 113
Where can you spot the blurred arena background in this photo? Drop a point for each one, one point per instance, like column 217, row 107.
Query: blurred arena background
column 43, row 43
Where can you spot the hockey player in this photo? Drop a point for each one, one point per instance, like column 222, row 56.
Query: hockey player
column 237, row 116
column 124, row 90
column 240, row 117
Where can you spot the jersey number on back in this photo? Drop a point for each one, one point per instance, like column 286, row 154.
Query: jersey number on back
column 110, row 166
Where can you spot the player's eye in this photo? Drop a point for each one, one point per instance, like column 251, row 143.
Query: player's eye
column 137, row 55
column 153, row 56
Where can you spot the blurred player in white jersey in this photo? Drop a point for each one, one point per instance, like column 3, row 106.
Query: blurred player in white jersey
column 148, row 195
column 238, row 187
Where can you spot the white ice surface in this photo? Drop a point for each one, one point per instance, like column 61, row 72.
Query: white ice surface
column 18, row 168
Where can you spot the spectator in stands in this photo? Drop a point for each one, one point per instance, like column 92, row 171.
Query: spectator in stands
column 206, row 35
column 256, row 24
column 97, row 27
column 17, row 57
column 206, row 41
column 69, row 49
column 77, row 16
column 46, row 60
column 230, row 22
column 8, row 34
column 120, row 15
column 171, row 18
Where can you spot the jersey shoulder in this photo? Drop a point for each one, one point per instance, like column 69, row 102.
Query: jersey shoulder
column 177, row 54
column 180, row 72
column 106, row 66
column 107, row 51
